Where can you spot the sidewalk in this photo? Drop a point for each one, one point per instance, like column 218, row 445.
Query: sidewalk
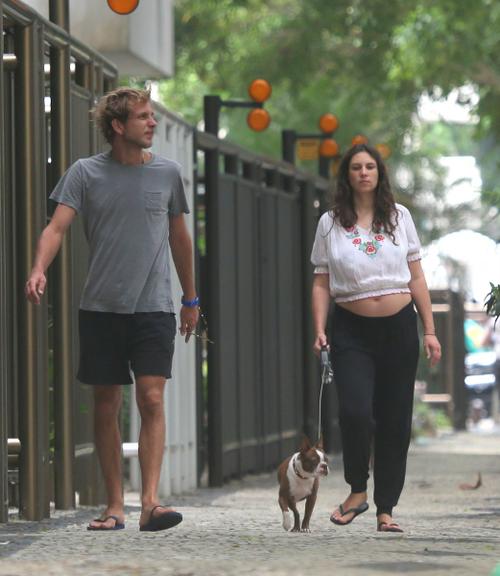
column 236, row 530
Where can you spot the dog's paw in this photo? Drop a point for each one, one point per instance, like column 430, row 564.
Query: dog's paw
column 307, row 529
column 287, row 521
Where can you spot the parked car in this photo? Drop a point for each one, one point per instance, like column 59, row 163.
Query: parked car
column 480, row 381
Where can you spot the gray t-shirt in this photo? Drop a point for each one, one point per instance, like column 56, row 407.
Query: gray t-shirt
column 125, row 212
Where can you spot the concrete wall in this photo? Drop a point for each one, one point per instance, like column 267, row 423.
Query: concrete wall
column 140, row 44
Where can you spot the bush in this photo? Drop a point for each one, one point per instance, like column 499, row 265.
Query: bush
column 428, row 421
column 492, row 301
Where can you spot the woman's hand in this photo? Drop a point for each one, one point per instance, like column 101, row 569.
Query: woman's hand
column 432, row 349
column 321, row 340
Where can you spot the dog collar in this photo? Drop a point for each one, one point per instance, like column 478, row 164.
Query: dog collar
column 296, row 470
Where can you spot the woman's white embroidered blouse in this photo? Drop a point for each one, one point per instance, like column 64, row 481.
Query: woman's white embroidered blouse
column 362, row 263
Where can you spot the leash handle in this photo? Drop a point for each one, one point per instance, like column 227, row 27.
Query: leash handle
column 326, row 378
column 324, row 357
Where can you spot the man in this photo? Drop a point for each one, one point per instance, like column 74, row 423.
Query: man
column 132, row 203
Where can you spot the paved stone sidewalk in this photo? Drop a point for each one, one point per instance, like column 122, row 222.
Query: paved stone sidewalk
column 236, row 530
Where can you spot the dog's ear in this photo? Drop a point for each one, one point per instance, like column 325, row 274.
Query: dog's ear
column 305, row 444
column 319, row 443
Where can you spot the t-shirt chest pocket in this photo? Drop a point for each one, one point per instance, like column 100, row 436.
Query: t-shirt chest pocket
column 155, row 201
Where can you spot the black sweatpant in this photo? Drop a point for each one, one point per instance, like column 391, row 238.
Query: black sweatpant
column 375, row 362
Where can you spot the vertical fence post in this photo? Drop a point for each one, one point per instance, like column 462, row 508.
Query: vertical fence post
column 459, row 390
column 33, row 347
column 309, row 218
column 60, row 93
column 215, row 443
column 199, row 267
column 249, row 359
column 3, row 312
column 324, row 167
column 288, row 139
column 59, row 13
column 211, row 110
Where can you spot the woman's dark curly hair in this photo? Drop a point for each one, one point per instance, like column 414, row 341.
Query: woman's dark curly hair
column 386, row 216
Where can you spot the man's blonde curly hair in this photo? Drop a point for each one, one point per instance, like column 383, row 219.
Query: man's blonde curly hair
column 116, row 104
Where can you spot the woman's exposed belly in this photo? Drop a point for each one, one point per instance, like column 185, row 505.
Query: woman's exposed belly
column 386, row 305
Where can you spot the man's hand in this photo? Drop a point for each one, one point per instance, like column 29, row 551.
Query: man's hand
column 35, row 286
column 48, row 245
column 189, row 318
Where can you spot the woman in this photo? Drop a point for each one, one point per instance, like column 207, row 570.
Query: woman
column 367, row 258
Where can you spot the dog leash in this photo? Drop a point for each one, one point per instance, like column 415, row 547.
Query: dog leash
column 326, row 378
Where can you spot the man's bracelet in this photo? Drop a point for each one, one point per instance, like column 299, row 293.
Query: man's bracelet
column 190, row 303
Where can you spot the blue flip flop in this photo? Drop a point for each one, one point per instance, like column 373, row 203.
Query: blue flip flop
column 118, row 525
column 161, row 521
column 356, row 511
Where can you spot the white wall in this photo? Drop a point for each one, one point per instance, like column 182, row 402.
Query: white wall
column 174, row 139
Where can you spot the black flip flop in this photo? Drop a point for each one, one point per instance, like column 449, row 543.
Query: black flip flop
column 389, row 527
column 118, row 525
column 356, row 511
column 161, row 521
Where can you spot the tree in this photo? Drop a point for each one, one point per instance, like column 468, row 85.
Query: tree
column 367, row 61
column 451, row 43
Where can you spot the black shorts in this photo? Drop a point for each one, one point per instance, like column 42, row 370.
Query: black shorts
column 112, row 345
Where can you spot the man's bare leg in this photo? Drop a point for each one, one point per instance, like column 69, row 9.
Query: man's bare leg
column 149, row 395
column 107, row 404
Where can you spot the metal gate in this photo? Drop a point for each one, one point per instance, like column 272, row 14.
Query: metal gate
column 48, row 82
column 255, row 281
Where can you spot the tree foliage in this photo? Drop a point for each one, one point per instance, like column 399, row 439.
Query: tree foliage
column 367, row 61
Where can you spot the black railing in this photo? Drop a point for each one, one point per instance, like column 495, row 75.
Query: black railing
column 259, row 218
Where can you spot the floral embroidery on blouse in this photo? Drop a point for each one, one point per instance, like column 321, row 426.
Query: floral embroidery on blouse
column 369, row 247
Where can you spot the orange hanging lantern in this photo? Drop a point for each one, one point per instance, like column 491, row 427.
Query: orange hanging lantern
column 359, row 139
column 384, row 150
column 258, row 119
column 259, row 90
column 328, row 148
column 328, row 123
column 123, row 7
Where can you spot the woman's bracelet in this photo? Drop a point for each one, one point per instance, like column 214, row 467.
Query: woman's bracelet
column 429, row 333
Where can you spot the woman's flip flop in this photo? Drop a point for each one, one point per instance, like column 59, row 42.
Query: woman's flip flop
column 389, row 527
column 356, row 511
